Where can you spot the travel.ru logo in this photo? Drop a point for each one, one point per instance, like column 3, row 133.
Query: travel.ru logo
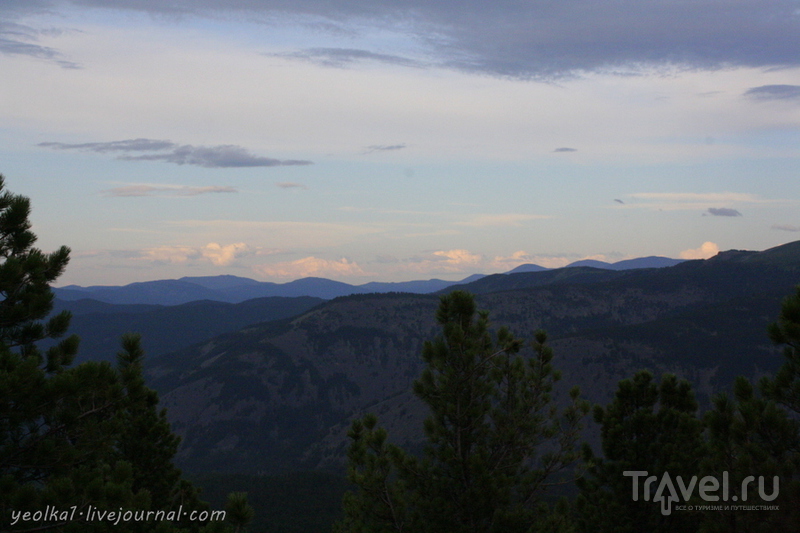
column 707, row 489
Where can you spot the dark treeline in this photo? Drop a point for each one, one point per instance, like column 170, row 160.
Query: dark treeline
column 496, row 442
column 80, row 441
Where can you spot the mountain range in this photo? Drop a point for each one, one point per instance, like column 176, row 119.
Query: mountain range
column 235, row 289
column 279, row 392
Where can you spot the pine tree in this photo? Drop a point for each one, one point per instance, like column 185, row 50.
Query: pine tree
column 55, row 422
column 647, row 427
column 239, row 512
column 750, row 435
column 785, row 387
column 491, row 410
column 73, row 437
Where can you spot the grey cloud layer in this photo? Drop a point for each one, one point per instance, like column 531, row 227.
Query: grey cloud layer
column 786, row 227
column 538, row 38
column 152, row 190
column 340, row 57
column 384, row 148
column 222, row 156
column 130, row 145
column 16, row 39
column 724, row 212
column 774, row 92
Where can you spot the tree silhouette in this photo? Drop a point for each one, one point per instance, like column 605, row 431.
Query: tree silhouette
column 491, row 413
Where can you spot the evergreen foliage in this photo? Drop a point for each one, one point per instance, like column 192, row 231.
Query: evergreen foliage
column 73, row 439
column 750, row 435
column 647, row 427
column 492, row 413
column 785, row 387
column 239, row 512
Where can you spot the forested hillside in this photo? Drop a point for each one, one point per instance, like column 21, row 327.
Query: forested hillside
column 280, row 395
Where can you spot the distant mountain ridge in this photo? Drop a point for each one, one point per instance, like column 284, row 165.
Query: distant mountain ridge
column 652, row 261
column 281, row 394
column 236, row 289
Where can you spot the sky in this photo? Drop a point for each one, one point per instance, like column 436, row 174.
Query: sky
column 391, row 140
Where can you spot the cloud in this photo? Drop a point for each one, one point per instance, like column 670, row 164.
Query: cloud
column 696, row 197
column 463, row 262
column 18, row 39
column 723, row 212
column 521, row 255
column 221, row 156
column 170, row 254
column 774, row 92
column 212, row 252
column 310, row 266
column 223, row 255
column 164, row 190
column 386, row 259
column 786, row 227
column 459, row 257
column 290, row 185
column 282, row 234
column 564, row 149
column 129, row 145
column 437, row 262
column 506, row 263
column 341, row 57
column 384, row 148
column 505, row 219
column 526, row 39
column 708, row 249
column 694, row 201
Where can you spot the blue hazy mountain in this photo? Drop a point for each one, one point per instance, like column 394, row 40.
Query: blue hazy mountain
column 629, row 264
column 159, row 292
column 527, row 267
column 235, row 289
column 223, row 282
column 652, row 261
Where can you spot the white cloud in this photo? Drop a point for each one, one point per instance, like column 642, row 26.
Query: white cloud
column 438, row 262
column 520, row 257
column 223, row 255
column 708, row 249
column 310, row 266
column 212, row 252
column 459, row 257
